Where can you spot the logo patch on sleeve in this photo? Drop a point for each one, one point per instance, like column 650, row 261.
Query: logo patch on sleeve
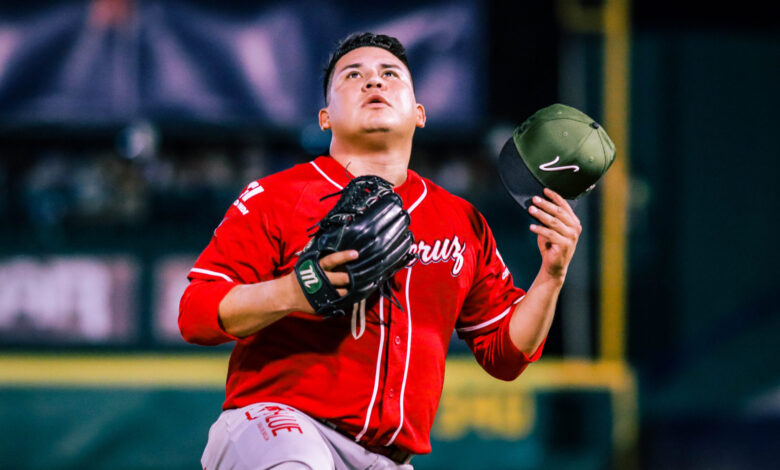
column 252, row 189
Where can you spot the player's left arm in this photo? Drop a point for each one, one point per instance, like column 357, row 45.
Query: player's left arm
column 557, row 239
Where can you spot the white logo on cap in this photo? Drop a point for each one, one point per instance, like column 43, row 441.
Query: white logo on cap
column 548, row 166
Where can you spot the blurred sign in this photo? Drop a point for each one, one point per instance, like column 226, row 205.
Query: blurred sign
column 68, row 299
column 557, row 414
column 170, row 280
column 115, row 62
column 493, row 413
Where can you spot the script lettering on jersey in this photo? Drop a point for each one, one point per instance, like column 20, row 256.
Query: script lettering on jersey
column 252, row 189
column 441, row 251
column 275, row 419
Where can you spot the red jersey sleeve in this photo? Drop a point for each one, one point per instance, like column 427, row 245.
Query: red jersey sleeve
column 484, row 319
column 246, row 246
column 198, row 312
column 244, row 249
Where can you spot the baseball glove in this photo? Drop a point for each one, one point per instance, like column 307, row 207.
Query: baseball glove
column 368, row 217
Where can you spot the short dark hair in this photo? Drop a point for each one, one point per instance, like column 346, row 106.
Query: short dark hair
column 356, row 40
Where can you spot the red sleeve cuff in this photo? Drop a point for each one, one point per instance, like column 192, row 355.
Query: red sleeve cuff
column 510, row 352
column 498, row 355
column 199, row 312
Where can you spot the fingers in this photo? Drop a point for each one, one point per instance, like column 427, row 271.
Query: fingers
column 554, row 221
column 551, row 235
column 556, row 214
column 556, row 205
column 558, row 199
column 338, row 278
column 332, row 262
column 338, row 258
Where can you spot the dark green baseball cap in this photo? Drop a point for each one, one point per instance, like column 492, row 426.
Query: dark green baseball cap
column 558, row 147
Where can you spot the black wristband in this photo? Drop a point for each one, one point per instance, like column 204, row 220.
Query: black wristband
column 315, row 285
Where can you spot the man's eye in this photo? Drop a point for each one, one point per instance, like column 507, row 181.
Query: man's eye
column 353, row 75
column 390, row 73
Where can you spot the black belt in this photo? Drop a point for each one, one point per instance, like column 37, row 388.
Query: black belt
column 392, row 452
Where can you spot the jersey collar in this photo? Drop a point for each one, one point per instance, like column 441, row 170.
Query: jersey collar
column 412, row 191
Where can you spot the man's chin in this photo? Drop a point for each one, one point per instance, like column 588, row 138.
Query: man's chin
column 379, row 125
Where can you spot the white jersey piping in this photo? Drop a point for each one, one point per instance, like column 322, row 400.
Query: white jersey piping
column 419, row 200
column 411, row 208
column 211, row 273
column 408, row 353
column 378, row 366
column 491, row 321
column 326, row 176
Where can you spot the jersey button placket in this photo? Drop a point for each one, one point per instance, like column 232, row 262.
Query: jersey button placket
column 397, row 335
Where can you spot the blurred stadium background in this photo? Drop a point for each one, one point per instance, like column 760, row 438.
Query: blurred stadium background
column 128, row 127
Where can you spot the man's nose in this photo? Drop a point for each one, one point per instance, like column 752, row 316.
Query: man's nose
column 374, row 81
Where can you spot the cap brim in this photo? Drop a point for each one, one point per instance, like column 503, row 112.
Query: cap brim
column 518, row 180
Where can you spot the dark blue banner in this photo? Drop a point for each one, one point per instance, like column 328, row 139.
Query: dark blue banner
column 104, row 62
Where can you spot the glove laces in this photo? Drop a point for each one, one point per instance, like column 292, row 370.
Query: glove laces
column 358, row 309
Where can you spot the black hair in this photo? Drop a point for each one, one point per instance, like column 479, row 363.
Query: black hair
column 356, row 40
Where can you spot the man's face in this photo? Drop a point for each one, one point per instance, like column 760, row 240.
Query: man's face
column 371, row 95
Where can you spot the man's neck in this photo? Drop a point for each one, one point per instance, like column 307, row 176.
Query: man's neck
column 390, row 164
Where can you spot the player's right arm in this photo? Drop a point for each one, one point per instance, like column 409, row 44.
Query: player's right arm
column 248, row 308
column 235, row 287
column 213, row 312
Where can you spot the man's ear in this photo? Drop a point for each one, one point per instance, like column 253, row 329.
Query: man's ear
column 420, row 115
column 324, row 119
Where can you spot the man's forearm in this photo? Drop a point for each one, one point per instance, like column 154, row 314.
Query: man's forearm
column 248, row 308
column 533, row 316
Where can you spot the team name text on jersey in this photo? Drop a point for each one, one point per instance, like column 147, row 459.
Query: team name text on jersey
column 440, row 251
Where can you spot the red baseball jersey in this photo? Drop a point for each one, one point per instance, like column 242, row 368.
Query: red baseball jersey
column 377, row 374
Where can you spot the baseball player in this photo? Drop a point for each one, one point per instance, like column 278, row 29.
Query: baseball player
column 359, row 390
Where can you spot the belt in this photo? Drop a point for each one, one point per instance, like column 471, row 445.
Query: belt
column 392, row 452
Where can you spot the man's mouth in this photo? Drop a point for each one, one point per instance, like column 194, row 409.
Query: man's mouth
column 375, row 101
